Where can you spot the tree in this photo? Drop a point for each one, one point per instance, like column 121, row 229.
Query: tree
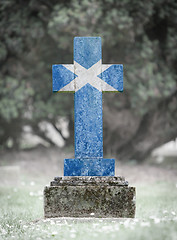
column 141, row 35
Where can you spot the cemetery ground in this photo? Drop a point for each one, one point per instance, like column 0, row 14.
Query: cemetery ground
column 24, row 174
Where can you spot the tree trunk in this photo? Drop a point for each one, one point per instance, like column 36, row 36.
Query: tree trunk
column 156, row 127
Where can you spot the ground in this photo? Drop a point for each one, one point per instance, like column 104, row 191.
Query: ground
column 23, row 176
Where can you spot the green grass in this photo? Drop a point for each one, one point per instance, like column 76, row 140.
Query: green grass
column 21, row 216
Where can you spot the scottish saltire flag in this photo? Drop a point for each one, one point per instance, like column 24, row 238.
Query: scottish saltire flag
column 88, row 78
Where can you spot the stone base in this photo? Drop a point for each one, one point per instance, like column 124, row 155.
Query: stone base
column 89, row 167
column 106, row 197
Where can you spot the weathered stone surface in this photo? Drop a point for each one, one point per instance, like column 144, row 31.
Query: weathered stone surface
column 89, row 197
column 86, row 196
column 88, row 78
column 89, row 167
column 87, row 180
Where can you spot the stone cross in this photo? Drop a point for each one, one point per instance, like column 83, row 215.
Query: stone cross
column 88, row 78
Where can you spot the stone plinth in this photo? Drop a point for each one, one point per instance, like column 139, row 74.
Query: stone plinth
column 89, row 197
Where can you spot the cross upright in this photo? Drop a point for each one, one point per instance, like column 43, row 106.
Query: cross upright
column 88, row 78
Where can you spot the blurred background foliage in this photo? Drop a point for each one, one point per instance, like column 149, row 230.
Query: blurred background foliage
column 139, row 34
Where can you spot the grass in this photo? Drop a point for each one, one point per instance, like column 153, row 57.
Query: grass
column 21, row 216
column 21, row 206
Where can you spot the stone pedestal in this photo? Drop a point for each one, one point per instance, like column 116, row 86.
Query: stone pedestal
column 89, row 197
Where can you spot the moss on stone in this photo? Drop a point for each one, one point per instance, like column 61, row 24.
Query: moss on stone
column 68, row 200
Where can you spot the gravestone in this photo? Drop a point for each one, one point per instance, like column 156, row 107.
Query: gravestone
column 89, row 187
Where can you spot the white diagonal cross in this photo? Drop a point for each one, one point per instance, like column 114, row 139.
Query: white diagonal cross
column 85, row 76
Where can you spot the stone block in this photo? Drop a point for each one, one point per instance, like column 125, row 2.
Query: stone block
column 89, row 167
column 89, row 197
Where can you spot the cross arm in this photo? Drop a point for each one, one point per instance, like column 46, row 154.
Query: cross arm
column 112, row 77
column 63, row 77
